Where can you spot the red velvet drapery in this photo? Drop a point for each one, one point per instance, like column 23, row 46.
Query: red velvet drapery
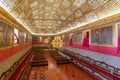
column 71, row 39
column 86, row 40
column 118, row 44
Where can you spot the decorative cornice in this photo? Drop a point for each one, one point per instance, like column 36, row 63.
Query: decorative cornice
column 10, row 20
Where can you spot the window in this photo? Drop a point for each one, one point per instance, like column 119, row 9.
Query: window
column 25, row 38
column 16, row 40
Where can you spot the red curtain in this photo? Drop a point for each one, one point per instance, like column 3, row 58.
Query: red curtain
column 71, row 42
column 118, row 44
column 71, row 39
column 86, row 40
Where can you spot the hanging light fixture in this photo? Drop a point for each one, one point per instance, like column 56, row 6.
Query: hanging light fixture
column 57, row 42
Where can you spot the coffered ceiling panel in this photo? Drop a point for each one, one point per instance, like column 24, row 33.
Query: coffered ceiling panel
column 51, row 17
column 86, row 8
column 91, row 16
column 108, row 9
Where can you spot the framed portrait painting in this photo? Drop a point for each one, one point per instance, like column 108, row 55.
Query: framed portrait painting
column 34, row 39
column 3, row 27
column 79, row 37
column 10, row 34
column 66, row 38
column 106, row 35
column 21, row 35
column 95, row 36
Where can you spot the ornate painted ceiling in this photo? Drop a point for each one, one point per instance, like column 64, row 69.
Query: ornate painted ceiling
column 50, row 17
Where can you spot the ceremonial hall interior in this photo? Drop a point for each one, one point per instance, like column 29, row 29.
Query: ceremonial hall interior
column 59, row 39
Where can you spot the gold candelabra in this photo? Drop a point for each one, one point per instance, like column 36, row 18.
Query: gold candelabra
column 57, row 42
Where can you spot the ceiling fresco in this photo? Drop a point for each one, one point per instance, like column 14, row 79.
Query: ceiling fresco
column 51, row 17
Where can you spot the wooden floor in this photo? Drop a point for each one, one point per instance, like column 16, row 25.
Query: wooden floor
column 59, row 72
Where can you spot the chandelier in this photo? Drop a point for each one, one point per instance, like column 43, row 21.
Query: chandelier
column 57, row 42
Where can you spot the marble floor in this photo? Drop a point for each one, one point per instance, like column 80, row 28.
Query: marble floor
column 58, row 72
